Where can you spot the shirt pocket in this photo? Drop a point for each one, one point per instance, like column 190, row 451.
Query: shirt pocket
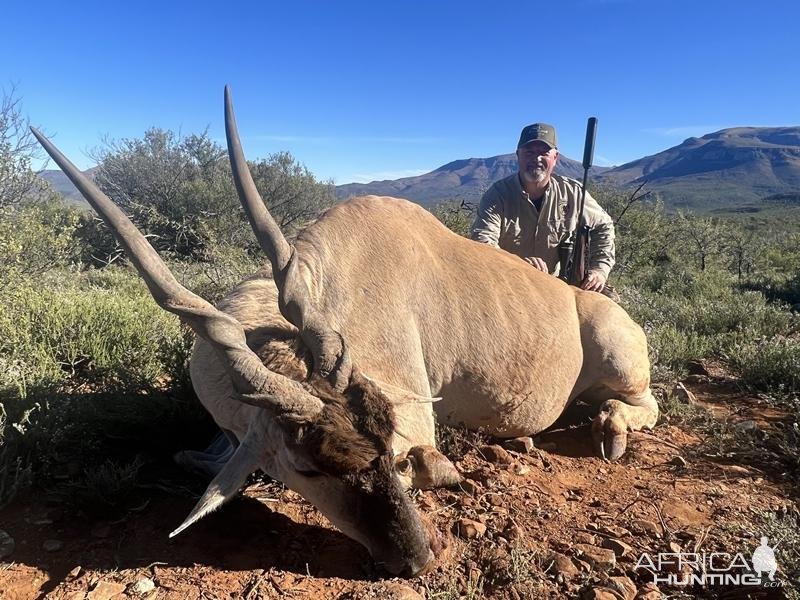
column 556, row 231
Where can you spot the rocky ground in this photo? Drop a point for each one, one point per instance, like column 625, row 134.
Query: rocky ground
column 551, row 521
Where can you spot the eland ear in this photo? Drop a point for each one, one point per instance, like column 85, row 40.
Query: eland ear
column 248, row 457
column 398, row 395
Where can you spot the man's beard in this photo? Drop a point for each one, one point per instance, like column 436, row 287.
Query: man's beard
column 536, row 174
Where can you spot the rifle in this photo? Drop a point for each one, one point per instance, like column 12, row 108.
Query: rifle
column 573, row 250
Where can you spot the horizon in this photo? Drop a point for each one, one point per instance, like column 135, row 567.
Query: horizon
column 359, row 92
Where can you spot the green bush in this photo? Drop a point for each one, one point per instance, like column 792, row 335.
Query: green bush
column 768, row 364
column 86, row 358
column 35, row 237
column 692, row 315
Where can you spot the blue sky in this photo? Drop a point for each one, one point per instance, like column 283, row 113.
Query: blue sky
column 374, row 90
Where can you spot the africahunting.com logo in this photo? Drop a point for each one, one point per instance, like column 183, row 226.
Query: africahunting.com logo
column 713, row 568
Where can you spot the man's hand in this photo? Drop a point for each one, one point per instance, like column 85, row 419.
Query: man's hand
column 537, row 262
column 594, row 281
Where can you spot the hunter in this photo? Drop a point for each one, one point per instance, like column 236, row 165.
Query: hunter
column 534, row 210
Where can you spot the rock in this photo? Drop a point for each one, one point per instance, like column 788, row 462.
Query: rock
column 469, row 529
column 678, row 461
column 614, row 531
column 52, row 545
column 747, row 427
column 683, row 395
column 624, row 586
column 563, row 565
column 513, row 532
column 142, row 587
column 582, row 537
column 675, row 548
column 649, row 591
column 519, row 469
column 583, row 566
column 618, row 547
column 646, row 527
column 600, row 593
column 599, row 558
column 496, row 454
column 495, row 499
column 523, row 445
column 76, row 572
column 695, row 367
column 105, row 590
column 6, row 544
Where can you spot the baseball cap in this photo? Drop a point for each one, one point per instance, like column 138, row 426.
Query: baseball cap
column 538, row 131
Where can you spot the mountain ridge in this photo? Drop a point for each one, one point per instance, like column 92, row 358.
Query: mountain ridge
column 726, row 168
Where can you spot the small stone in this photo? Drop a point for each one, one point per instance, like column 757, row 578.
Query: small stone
column 582, row 537
column 105, row 590
column 563, row 565
column 76, row 572
column 497, row 454
column 495, row 499
column 142, row 587
column 519, row 469
column 469, row 529
column 6, row 544
column 683, row 395
column 695, row 367
column 646, row 527
column 599, row 558
column 614, row 531
column 52, row 545
column 747, row 427
column 675, row 548
column 583, row 566
column 624, row 586
column 618, row 547
column 599, row 593
column 678, row 461
column 523, row 445
column 514, row 532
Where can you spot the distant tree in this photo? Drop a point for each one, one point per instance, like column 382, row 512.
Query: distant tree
column 18, row 148
column 700, row 237
column 644, row 233
column 741, row 247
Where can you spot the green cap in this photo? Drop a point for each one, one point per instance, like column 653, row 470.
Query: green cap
column 538, row 131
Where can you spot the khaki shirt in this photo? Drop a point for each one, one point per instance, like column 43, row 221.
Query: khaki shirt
column 508, row 218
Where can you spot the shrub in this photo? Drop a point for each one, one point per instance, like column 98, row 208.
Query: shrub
column 81, row 364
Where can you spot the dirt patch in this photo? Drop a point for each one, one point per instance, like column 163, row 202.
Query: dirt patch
column 551, row 518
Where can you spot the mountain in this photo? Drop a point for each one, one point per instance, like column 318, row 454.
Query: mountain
column 61, row 183
column 728, row 169
column 461, row 179
column 731, row 167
